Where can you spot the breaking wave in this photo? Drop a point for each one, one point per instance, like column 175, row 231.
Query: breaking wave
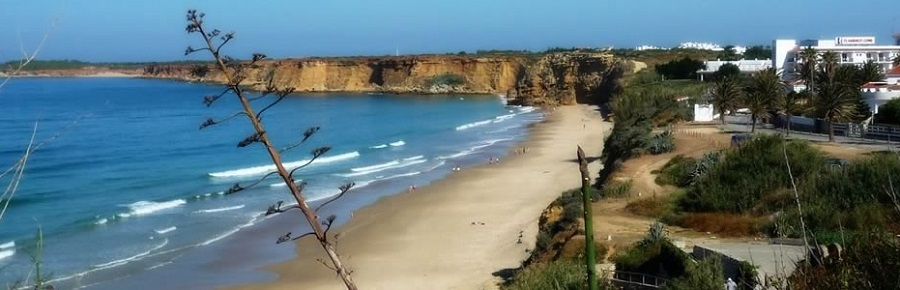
column 382, row 167
column 166, row 230
column 265, row 169
column 473, row 125
column 132, row 258
column 147, row 207
column 222, row 208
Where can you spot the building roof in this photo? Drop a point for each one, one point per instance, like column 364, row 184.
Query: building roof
column 880, row 85
column 894, row 71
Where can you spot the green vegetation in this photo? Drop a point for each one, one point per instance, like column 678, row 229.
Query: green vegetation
column 654, row 255
column 727, row 70
column 889, row 113
column 685, row 68
column 646, row 103
column 447, row 79
column 555, row 275
column 616, row 189
column 706, row 274
column 662, row 143
column 867, row 263
column 758, row 52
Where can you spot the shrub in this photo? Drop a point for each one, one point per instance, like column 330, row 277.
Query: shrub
column 676, row 171
column 662, row 143
column 555, row 275
column 655, row 207
column 738, row 182
column 654, row 255
column 616, row 189
column 706, row 274
column 447, row 79
column 870, row 262
column 724, row 224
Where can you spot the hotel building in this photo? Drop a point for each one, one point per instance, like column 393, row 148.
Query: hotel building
column 850, row 50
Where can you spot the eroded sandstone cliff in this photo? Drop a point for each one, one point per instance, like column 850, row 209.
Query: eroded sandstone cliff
column 562, row 78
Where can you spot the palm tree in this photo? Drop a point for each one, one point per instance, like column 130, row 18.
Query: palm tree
column 765, row 91
column 810, row 58
column 829, row 64
column 792, row 103
column 836, row 102
column 871, row 72
column 726, row 93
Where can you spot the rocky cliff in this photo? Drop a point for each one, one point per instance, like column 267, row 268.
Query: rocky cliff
column 562, row 78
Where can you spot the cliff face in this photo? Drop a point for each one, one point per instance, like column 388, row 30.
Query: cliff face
column 550, row 79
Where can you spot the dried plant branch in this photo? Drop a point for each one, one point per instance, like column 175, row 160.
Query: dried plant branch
column 13, row 185
column 308, row 133
column 232, row 71
column 344, row 189
column 796, row 196
column 26, row 57
column 209, row 121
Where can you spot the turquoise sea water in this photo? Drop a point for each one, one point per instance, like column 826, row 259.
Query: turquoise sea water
column 126, row 183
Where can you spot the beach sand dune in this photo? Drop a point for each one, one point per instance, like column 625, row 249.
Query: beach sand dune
column 455, row 233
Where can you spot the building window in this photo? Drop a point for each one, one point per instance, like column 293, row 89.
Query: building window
column 845, row 57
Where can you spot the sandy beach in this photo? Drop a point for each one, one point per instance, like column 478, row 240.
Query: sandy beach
column 456, row 232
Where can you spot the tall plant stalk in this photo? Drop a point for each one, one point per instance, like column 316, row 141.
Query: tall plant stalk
column 234, row 79
column 590, row 258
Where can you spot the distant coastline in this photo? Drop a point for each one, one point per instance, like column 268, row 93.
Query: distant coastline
column 549, row 79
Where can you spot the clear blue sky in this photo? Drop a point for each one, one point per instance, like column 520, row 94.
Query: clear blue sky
column 139, row 30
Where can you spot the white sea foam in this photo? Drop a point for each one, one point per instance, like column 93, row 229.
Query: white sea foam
column 472, row 125
column 101, row 221
column 8, row 245
column 228, row 233
column 379, row 146
column 159, row 265
column 376, row 166
column 282, row 184
column 502, row 118
column 265, row 169
column 383, row 168
column 457, row 155
column 488, row 143
column 7, row 253
column 397, row 144
column 148, row 207
column 132, row 258
column 414, row 158
column 165, row 230
column 402, row 175
column 220, row 209
column 525, row 110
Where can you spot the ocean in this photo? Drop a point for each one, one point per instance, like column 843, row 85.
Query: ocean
column 126, row 185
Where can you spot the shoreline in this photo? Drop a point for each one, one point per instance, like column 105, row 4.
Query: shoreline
column 456, row 232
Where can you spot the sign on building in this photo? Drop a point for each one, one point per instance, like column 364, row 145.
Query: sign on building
column 854, row 40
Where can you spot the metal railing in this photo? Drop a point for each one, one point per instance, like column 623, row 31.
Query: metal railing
column 640, row 279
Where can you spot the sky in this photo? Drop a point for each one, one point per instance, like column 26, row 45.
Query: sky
column 139, row 30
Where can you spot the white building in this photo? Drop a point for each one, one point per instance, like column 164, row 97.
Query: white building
column 745, row 65
column 850, row 50
column 877, row 93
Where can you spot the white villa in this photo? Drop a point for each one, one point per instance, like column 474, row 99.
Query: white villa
column 878, row 93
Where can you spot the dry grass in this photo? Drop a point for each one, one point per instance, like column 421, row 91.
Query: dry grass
column 654, row 207
column 723, row 224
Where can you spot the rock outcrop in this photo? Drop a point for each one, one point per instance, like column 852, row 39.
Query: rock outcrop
column 550, row 79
